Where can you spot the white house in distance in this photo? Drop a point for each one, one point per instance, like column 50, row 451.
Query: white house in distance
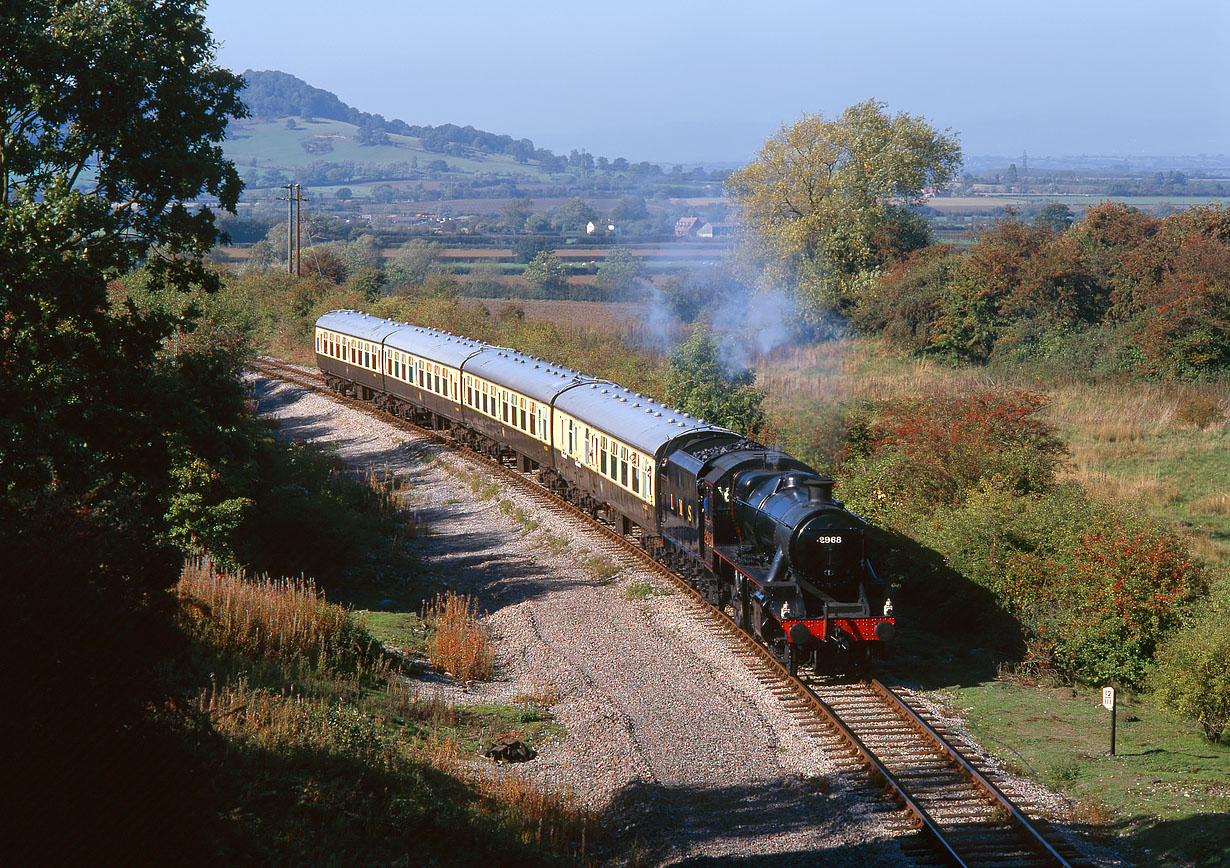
column 602, row 227
column 695, row 227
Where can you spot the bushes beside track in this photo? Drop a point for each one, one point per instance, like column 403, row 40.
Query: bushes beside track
column 1095, row 588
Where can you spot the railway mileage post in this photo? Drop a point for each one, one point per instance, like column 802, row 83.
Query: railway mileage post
column 1108, row 702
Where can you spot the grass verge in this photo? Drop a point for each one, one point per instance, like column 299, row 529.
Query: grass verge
column 1163, row 799
column 323, row 754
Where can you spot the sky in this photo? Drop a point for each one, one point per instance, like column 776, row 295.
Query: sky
column 708, row 81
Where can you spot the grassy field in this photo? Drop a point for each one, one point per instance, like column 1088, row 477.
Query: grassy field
column 995, row 202
column 272, row 145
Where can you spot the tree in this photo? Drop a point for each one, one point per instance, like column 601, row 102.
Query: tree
column 820, row 192
column 113, row 118
column 619, row 273
column 630, row 208
column 1056, row 217
column 343, row 193
column 324, row 262
column 547, row 273
column 515, row 212
column 572, row 216
column 414, row 261
column 526, row 248
column 698, row 383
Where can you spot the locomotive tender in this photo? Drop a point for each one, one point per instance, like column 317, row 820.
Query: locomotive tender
column 756, row 531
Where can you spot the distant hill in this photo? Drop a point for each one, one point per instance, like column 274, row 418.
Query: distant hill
column 271, row 94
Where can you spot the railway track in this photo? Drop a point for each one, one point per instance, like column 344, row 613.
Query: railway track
column 948, row 808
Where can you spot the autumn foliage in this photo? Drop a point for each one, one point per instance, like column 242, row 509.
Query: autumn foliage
column 933, row 449
column 1152, row 295
column 1100, row 609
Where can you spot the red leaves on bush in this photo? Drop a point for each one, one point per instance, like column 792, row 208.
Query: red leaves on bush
column 941, row 445
column 1099, row 611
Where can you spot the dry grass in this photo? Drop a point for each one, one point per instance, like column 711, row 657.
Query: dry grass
column 405, row 701
column 548, row 817
column 1212, row 504
column 272, row 719
column 264, row 617
column 1149, row 491
column 458, row 644
column 539, row 696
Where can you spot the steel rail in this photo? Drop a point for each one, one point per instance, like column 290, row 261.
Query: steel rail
column 1018, row 819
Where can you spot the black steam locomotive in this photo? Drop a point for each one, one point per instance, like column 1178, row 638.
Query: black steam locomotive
column 755, row 530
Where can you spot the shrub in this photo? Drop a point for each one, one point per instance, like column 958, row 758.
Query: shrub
column 1099, row 610
column 931, row 451
column 1192, row 676
column 698, row 383
column 458, row 643
column 1198, row 411
column 273, row 618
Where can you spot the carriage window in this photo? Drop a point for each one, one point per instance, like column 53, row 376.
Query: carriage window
column 533, row 415
column 504, row 396
column 524, row 422
column 623, row 472
column 572, row 438
column 484, row 388
column 636, row 480
column 602, row 453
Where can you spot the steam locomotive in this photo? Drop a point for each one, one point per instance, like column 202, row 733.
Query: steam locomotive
column 756, row 531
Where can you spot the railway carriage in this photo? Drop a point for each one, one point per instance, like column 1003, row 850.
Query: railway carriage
column 611, row 441
column 508, row 397
column 348, row 350
column 422, row 370
column 756, row 531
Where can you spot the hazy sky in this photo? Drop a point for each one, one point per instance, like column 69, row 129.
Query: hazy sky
column 709, row 80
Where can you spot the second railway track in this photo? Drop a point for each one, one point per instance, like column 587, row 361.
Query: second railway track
column 950, row 808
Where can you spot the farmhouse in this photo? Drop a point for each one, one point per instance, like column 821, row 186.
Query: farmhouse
column 685, row 227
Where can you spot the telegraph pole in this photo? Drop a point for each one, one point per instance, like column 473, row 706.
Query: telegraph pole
column 298, row 225
column 294, row 216
column 290, row 229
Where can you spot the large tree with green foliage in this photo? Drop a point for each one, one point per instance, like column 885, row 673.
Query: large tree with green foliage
column 113, row 115
column 827, row 199
column 548, row 274
column 698, row 383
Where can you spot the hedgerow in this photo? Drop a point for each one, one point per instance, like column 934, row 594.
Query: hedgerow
column 1150, row 295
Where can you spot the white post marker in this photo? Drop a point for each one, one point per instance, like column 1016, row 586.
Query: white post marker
column 1108, row 702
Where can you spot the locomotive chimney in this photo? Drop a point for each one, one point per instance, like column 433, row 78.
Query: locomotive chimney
column 819, row 490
